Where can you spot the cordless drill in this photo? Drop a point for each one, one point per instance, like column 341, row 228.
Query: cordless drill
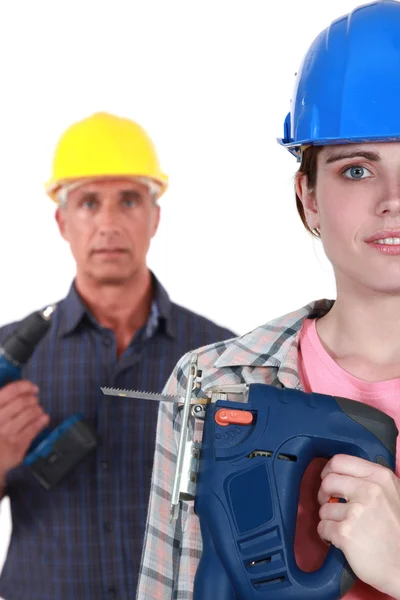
column 53, row 454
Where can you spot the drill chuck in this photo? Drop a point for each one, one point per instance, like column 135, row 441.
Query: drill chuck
column 20, row 344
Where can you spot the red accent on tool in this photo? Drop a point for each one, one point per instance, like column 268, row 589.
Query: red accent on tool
column 227, row 416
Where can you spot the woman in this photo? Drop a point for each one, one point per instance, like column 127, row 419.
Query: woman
column 344, row 127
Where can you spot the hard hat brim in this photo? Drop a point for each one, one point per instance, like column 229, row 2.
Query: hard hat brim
column 53, row 187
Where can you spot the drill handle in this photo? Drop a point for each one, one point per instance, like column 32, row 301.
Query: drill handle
column 9, row 372
column 211, row 580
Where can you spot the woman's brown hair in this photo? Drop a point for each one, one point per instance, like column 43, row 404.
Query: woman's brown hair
column 308, row 167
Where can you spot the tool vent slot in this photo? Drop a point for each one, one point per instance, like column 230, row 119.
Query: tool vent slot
column 266, row 453
column 265, row 563
column 260, row 562
column 262, row 543
column 289, row 457
column 260, row 585
column 269, row 453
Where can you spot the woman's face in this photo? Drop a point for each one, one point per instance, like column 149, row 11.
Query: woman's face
column 355, row 204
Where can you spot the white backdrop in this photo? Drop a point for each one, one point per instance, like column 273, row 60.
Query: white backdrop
column 211, row 82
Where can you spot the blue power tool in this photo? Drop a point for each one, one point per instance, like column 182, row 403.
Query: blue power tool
column 253, row 457
column 53, row 454
column 245, row 477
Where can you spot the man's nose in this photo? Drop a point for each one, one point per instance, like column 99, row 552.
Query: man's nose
column 107, row 218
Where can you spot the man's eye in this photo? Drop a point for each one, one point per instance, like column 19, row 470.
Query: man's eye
column 89, row 201
column 130, row 197
column 357, row 172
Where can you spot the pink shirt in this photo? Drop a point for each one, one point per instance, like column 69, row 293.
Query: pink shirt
column 320, row 373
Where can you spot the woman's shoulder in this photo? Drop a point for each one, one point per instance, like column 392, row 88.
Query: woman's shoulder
column 223, row 362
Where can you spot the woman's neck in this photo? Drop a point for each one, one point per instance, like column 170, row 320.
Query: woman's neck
column 362, row 334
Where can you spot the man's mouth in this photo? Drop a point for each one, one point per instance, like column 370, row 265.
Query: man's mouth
column 110, row 251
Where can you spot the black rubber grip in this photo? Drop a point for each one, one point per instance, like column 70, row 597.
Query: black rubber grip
column 377, row 422
column 347, row 581
column 20, row 344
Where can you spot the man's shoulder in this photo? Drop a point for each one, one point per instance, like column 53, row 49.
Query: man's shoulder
column 207, row 327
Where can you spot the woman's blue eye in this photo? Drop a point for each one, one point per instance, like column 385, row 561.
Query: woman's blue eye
column 356, row 173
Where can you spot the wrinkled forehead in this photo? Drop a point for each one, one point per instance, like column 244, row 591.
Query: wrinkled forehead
column 110, row 184
column 107, row 185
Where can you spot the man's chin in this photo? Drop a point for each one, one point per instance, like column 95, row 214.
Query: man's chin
column 111, row 277
column 112, row 281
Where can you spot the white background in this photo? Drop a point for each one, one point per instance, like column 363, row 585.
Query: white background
column 211, row 82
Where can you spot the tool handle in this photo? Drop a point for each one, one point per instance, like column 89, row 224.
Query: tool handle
column 211, row 580
column 8, row 371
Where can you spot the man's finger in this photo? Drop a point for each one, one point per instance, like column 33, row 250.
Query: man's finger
column 17, row 388
column 32, row 429
column 23, row 419
column 13, row 409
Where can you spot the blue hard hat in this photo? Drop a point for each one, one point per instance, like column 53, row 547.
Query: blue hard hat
column 348, row 87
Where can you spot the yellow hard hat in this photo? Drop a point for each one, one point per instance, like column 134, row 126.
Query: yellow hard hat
column 104, row 145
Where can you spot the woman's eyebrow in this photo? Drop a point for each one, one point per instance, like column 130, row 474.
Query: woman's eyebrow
column 341, row 155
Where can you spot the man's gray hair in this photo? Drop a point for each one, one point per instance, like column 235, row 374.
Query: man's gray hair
column 62, row 194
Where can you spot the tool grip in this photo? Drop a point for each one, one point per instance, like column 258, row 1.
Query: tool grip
column 378, row 423
column 211, row 580
column 8, row 371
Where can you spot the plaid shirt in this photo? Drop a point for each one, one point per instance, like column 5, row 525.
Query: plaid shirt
column 83, row 540
column 269, row 355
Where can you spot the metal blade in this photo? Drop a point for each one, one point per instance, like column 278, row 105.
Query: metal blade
column 108, row 391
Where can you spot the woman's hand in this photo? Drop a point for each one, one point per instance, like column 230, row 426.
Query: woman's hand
column 367, row 526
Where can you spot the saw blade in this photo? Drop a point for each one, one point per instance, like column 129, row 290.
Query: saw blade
column 108, row 391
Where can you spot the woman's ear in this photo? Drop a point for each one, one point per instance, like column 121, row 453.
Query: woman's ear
column 308, row 200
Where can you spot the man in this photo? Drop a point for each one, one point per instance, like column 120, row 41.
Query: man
column 116, row 327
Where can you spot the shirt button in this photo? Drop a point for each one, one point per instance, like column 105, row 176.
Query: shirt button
column 104, row 465
column 112, row 592
column 107, row 340
column 107, row 526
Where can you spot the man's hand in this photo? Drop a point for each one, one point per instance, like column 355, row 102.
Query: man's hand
column 21, row 419
column 367, row 527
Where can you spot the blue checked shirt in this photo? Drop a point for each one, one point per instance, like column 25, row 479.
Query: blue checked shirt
column 83, row 540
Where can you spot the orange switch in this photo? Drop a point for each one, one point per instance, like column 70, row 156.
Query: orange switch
column 228, row 416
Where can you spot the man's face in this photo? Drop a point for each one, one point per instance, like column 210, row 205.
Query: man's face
column 109, row 224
